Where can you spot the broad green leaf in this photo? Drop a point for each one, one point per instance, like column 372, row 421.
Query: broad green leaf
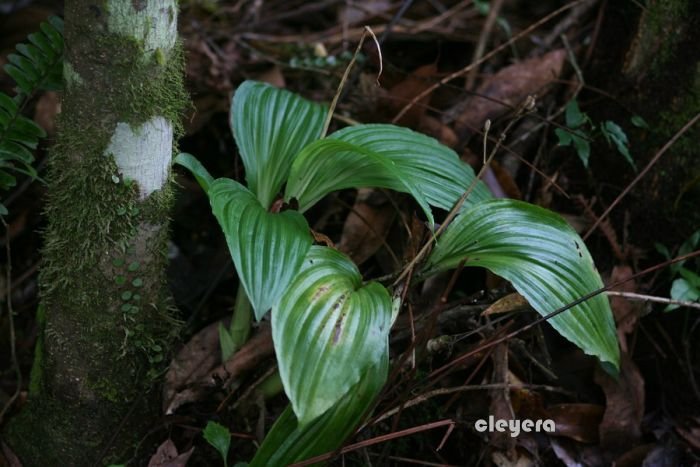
column 578, row 140
column 329, row 165
column 271, row 126
column 267, row 249
column 289, row 442
column 574, row 117
column 435, row 170
column 201, row 174
column 613, row 132
column 683, row 290
column 639, row 122
column 544, row 259
column 219, row 437
column 328, row 329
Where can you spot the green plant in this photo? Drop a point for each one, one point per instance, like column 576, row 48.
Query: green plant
column 581, row 131
column 36, row 65
column 219, row 437
column 330, row 329
column 686, row 287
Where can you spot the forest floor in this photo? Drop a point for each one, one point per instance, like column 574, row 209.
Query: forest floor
column 447, row 67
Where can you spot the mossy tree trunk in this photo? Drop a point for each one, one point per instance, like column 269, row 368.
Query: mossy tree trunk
column 104, row 310
column 663, row 65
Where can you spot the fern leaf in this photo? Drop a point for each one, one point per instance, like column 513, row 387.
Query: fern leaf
column 36, row 65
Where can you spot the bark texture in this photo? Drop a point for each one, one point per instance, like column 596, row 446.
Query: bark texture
column 104, row 310
column 663, row 65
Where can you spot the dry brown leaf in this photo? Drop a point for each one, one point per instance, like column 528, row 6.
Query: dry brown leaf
column 367, row 225
column 509, row 86
column 193, row 362
column 167, row 456
column 625, row 311
column 273, row 76
column 8, row 457
column 432, row 126
column 510, row 302
column 247, row 358
column 691, row 433
column 576, row 421
column 417, row 82
column 500, row 407
column 620, row 429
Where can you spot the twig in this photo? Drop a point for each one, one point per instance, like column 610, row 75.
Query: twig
column 495, row 51
column 526, row 106
column 377, row 440
column 494, row 10
column 331, row 109
column 11, row 320
column 561, row 310
column 646, row 169
column 652, row 298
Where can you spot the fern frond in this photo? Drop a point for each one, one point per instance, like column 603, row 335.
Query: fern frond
column 37, row 65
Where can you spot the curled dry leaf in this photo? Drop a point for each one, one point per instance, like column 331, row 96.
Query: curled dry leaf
column 511, row 302
column 501, row 407
column 620, row 429
column 367, row 225
column 432, row 126
column 505, row 89
column 194, row 361
column 576, row 421
column 625, row 311
column 417, row 82
column 167, row 456
column 247, row 358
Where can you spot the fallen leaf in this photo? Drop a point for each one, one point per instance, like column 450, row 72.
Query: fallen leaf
column 367, row 225
column 274, row 77
column 500, row 407
column 10, row 458
column 402, row 93
column 625, row 311
column 620, row 429
column 691, row 432
column 193, row 362
column 432, row 126
column 247, row 358
column 508, row 87
column 511, row 302
column 167, row 456
column 576, row 421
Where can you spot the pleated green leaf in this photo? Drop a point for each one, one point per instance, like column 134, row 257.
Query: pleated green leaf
column 267, row 249
column 271, row 126
column 289, row 442
column 544, row 259
column 434, row 169
column 329, row 165
column 191, row 163
column 327, row 330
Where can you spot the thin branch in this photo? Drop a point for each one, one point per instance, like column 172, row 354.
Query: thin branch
column 489, row 55
column 651, row 163
column 651, row 298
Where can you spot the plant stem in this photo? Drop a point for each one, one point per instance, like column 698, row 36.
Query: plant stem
column 240, row 322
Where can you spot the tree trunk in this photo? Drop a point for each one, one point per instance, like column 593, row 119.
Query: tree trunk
column 104, row 311
column 663, row 67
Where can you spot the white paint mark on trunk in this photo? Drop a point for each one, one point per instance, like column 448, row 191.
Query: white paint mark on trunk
column 143, row 154
column 152, row 22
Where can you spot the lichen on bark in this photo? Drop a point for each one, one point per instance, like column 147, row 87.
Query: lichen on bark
column 106, row 307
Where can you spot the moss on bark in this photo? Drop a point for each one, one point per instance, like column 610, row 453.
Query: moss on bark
column 106, row 308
